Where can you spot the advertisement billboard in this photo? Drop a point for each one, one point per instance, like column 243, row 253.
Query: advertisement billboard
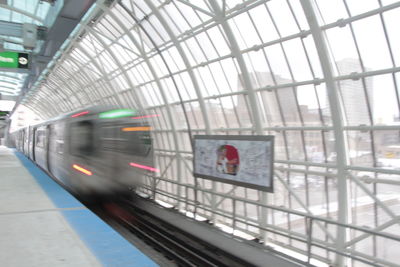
column 236, row 159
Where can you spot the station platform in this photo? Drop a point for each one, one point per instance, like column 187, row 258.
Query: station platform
column 41, row 224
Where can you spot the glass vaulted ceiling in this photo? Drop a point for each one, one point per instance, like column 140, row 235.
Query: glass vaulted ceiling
column 22, row 11
column 18, row 11
column 11, row 82
column 321, row 76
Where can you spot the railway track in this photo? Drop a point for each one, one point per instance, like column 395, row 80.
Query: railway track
column 178, row 247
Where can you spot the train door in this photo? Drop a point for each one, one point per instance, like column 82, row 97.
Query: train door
column 88, row 169
column 21, row 141
column 30, row 143
column 41, row 146
column 58, row 164
column 49, row 133
column 33, row 141
column 26, row 142
column 55, row 152
column 28, row 136
column 109, row 152
column 17, row 139
column 81, row 139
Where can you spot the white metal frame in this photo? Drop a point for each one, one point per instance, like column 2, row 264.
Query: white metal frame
column 274, row 219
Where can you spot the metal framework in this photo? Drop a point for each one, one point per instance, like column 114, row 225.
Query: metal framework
column 13, row 14
column 321, row 76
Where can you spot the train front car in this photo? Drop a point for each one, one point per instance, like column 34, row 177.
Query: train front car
column 110, row 152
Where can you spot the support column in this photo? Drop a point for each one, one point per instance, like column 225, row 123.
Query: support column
column 252, row 95
column 337, row 120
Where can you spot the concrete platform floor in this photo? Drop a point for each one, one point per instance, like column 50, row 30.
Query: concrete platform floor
column 33, row 232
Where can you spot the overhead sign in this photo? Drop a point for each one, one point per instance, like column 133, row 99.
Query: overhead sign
column 236, row 159
column 14, row 60
column 4, row 114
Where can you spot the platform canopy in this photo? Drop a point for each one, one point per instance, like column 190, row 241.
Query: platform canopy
column 19, row 24
column 31, row 31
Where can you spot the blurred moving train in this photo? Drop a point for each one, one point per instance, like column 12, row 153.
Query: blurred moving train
column 93, row 152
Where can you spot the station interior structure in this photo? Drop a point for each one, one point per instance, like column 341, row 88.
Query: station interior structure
column 320, row 76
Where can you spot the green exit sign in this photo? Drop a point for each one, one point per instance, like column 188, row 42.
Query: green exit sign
column 3, row 115
column 14, row 60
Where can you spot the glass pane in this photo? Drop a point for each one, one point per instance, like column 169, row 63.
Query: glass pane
column 314, row 146
column 360, row 153
column 219, row 41
column 271, row 108
column 169, row 91
column 218, row 118
column 391, row 19
column 297, row 59
column 264, row 24
column 243, row 111
column 367, row 5
column 230, row 111
column 283, row 17
column 244, row 31
column 278, row 64
column 384, row 100
column 387, row 146
column 332, row 10
column 343, row 48
column 310, row 108
column 355, row 103
column 375, row 55
column 288, row 103
column 295, row 143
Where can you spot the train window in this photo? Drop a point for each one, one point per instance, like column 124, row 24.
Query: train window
column 82, row 135
column 108, row 138
column 40, row 138
column 107, row 132
column 137, row 143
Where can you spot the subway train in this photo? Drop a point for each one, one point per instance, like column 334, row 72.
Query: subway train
column 95, row 152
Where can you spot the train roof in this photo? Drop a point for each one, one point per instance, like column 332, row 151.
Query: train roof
column 103, row 112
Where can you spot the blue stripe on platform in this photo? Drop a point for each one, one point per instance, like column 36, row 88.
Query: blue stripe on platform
column 110, row 248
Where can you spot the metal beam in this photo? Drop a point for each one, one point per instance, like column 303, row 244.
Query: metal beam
column 15, row 30
column 67, row 19
column 30, row 15
column 193, row 78
column 395, row 219
column 10, row 28
column 254, row 105
column 196, row 8
column 303, row 205
column 337, row 118
column 160, row 86
column 15, row 70
column 8, row 97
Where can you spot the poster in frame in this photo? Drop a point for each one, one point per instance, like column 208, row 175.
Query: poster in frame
column 244, row 160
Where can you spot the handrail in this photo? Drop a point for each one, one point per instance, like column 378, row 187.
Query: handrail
column 309, row 221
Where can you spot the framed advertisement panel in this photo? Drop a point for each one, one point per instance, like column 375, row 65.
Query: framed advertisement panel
column 243, row 160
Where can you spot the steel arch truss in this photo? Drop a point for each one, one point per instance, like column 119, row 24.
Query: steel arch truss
column 304, row 71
